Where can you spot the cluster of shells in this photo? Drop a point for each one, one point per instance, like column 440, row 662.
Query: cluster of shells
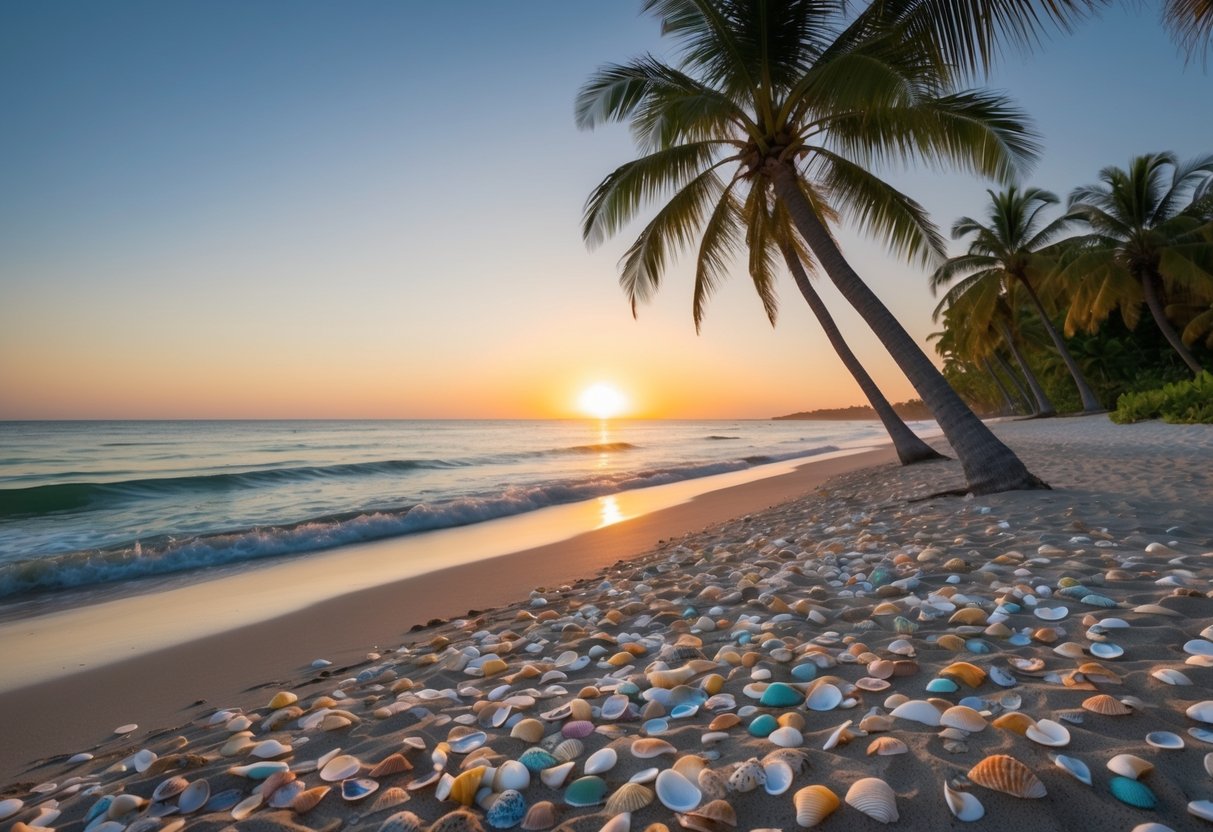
column 707, row 687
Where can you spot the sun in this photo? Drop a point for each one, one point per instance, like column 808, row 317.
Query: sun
column 602, row 401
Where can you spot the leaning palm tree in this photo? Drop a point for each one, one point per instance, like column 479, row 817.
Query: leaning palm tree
column 1010, row 249
column 799, row 99
column 1149, row 237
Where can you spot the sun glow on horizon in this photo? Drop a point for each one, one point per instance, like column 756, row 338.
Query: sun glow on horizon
column 602, row 401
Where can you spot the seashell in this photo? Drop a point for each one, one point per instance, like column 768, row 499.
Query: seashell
column 602, row 760
column 10, row 807
column 463, row 788
column 461, row 820
column 964, row 718
column 341, row 767
column 222, row 801
column 874, row 798
column 839, row 736
column 528, row 730
column 1006, row 774
column 918, row 710
column 942, row 686
column 1101, row 703
column 786, row 737
column 689, row 766
column 780, row 695
column 391, row 764
column 970, row 674
column 541, row 815
column 568, row 750
column 887, row 746
column 585, row 791
column 1202, row 809
column 194, row 797
column 171, row 787
column 814, row 804
column 556, row 776
column 748, row 776
column 507, row 810
column 873, row 723
column 630, row 797
column 1201, row 711
column 258, row 771
column 402, row 822
column 537, row 759
column 713, row 784
column 511, row 774
column 779, row 776
column 670, row 679
column 1134, row 793
column 1047, row 732
column 1073, row 766
column 1106, row 650
column 1165, row 740
column 466, row 743
column 281, row 699
column 246, row 807
column 762, row 725
column 358, row 788
column 646, row 748
column 1171, row 676
column 387, row 799
column 1199, row 647
column 577, row 728
column 619, row 823
column 823, row 697
column 308, row 800
column 964, row 806
column 676, row 792
column 1129, row 765
column 711, row 817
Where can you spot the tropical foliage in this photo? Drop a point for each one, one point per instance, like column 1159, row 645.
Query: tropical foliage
column 1185, row 402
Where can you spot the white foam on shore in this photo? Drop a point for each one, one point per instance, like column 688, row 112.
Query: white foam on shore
column 50, row 645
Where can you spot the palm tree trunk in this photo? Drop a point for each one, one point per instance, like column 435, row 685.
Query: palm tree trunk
column 1019, row 388
column 1090, row 402
column 989, row 465
column 909, row 447
column 1044, row 407
column 1008, row 405
column 1149, row 285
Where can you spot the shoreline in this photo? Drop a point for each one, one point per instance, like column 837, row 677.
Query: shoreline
column 205, row 668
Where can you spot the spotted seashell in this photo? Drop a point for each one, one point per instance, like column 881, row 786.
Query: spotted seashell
column 402, row 822
column 1006, row 774
column 713, row 784
column 630, row 797
column 537, row 759
column 874, row 797
column 748, row 776
column 507, row 810
column 814, row 804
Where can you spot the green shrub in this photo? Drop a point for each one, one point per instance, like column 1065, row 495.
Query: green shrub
column 1184, row 402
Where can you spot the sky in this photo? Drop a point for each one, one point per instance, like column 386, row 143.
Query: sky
column 221, row 209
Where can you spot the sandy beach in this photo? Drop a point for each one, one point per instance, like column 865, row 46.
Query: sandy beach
column 835, row 641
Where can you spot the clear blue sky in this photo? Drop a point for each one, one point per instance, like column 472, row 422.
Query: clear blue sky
column 372, row 209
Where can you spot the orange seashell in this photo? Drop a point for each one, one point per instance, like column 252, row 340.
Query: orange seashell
column 1006, row 774
column 463, row 790
column 391, row 764
column 724, row 722
column 880, row 669
column 814, row 804
column 971, row 616
column 306, row 801
column 970, row 674
column 791, row 719
column 887, row 746
column 1098, row 673
column 1101, row 703
column 540, row 816
column 1014, row 721
column 951, row 642
column 461, row 820
column 1046, row 635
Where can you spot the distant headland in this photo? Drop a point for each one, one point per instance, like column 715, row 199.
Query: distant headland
column 910, row 411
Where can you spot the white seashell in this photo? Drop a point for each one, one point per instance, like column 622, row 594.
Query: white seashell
column 779, row 777
column 1051, row 613
column 1047, row 732
column 825, row 697
column 964, row 806
column 1171, row 676
column 194, row 797
column 1199, row 647
column 1202, row 809
column 786, row 737
column 511, row 775
column 10, row 807
column 603, row 759
column 676, row 792
column 839, row 736
column 647, row 775
column 1106, row 650
column 1201, row 711
column 555, row 776
column 246, row 807
column 1165, row 740
column 1073, row 766
column 341, row 767
column 918, row 710
column 874, row 798
column 1129, row 765
column 621, row 822
column 268, row 749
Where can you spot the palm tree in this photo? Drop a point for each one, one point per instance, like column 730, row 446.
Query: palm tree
column 796, row 98
column 1149, row 238
column 1010, row 249
column 1191, row 23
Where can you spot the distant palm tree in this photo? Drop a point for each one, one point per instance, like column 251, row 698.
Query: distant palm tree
column 1191, row 22
column 799, row 98
column 1150, row 237
column 1011, row 248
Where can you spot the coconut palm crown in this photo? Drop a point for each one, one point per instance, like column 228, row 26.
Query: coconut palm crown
column 1151, row 238
column 1013, row 247
column 799, row 99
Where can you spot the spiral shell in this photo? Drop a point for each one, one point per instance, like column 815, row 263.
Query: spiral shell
column 875, row 798
column 814, row 804
column 1006, row 774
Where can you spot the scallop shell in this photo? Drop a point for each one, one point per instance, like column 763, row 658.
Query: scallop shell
column 388, row 798
column 1047, row 732
column 676, row 792
column 464, row 787
column 887, row 746
column 748, row 776
column 392, row 764
column 542, row 815
column 1129, row 765
column 1134, row 793
column 402, row 822
column 568, row 750
column 964, row 718
column 814, row 804
column 1102, row 703
column 630, row 797
column 966, row 807
column 461, row 820
column 1006, row 774
column 875, row 798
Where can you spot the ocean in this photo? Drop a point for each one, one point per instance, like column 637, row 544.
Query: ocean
column 92, row 503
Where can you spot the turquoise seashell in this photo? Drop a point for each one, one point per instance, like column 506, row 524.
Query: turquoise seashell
column 537, row 759
column 684, row 710
column 259, row 771
column 1133, row 792
column 1098, row 601
column 656, row 726
column 880, row 576
column 507, row 810
column 804, row 672
column 690, row 612
column 1076, row 591
column 762, row 725
column 586, row 791
column 100, row 807
column 224, row 800
column 1020, row 639
column 744, row 638
column 779, row 695
column 904, row 625
column 942, row 686
column 1009, row 608
column 977, row 645
column 628, row 689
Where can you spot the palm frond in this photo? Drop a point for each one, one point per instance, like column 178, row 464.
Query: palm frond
column 718, row 244
column 955, row 267
column 1191, row 24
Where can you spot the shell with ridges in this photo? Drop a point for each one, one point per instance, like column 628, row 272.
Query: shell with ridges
column 814, row 804
column 1006, row 774
column 1102, row 703
column 402, row 822
column 542, row 815
column 630, row 797
column 875, row 798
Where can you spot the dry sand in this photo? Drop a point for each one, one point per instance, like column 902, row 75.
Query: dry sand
column 840, row 585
